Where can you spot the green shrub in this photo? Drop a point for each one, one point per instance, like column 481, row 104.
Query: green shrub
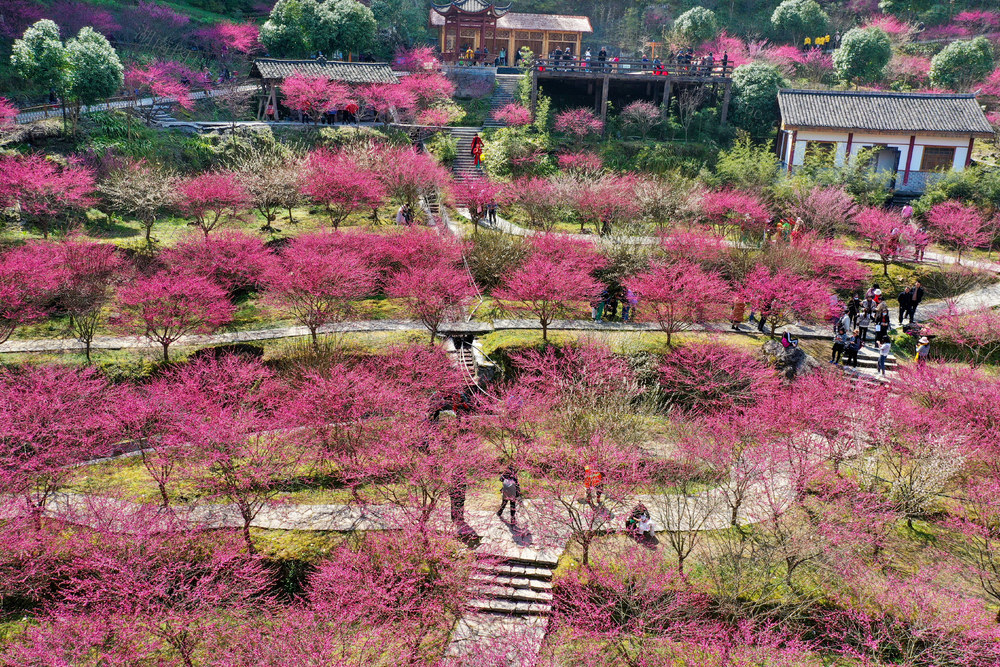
column 494, row 256
column 444, row 147
column 863, row 55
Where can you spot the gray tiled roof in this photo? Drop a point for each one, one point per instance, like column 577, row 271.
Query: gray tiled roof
column 543, row 22
column 471, row 6
column 270, row 68
column 883, row 112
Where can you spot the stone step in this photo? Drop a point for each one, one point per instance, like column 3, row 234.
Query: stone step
column 540, row 572
column 511, row 593
column 491, row 606
column 512, row 581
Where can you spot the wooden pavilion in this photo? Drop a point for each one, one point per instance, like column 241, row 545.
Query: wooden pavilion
column 271, row 72
column 477, row 24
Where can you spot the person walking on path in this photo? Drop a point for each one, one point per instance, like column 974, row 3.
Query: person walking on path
column 628, row 308
column 918, row 296
column 923, row 351
column 839, row 339
column 510, row 491
column 883, row 354
column 477, row 150
column 864, row 321
column 905, row 303
column 593, row 481
column 737, row 315
column 851, row 348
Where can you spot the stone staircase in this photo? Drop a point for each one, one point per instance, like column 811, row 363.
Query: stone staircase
column 506, row 620
column 464, row 166
column 503, row 95
column 867, row 369
column 512, row 587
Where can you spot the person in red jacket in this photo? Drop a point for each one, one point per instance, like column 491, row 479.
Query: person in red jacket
column 477, row 149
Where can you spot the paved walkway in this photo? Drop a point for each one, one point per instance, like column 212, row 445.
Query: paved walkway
column 930, row 257
column 478, row 328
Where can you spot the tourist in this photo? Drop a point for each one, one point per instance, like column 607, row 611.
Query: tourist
column 477, row 150
column 638, row 515
column 736, row 318
column 786, row 230
column 764, row 314
column 709, row 63
column 502, row 57
column 864, row 321
column 510, row 491
column 883, row 354
column 905, row 299
column 628, row 308
column 491, row 213
column 401, row 215
column 596, row 309
column 645, row 527
column 918, row 296
column 853, row 308
column 923, row 352
column 882, row 323
column 593, row 480
column 839, row 340
column 611, row 309
column 788, row 342
column 725, row 62
column 921, row 239
column 907, row 213
column 851, row 348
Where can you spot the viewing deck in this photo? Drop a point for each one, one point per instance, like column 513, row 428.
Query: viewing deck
column 632, row 69
column 655, row 82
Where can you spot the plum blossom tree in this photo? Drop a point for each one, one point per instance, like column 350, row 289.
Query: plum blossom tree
column 227, row 38
column 232, row 260
column 958, row 225
column 977, row 332
column 548, row 289
column 317, row 279
column 229, row 407
column 782, row 297
column 727, row 210
column 513, row 115
column 666, row 289
column 29, row 278
column 579, row 124
column 51, row 417
column 883, row 230
column 476, row 194
column 314, row 95
column 90, row 273
column 583, row 162
column 711, row 378
column 825, row 210
column 608, row 202
column 433, row 295
column 212, row 198
column 141, row 190
column 386, row 100
column 409, row 175
column 342, row 186
column 167, row 306
column 541, row 201
column 43, row 189
column 642, row 117
column 163, row 83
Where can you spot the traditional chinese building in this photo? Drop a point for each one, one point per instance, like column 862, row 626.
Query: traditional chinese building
column 909, row 136
column 271, row 72
column 474, row 24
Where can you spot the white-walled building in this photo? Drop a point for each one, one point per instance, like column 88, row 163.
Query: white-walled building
column 914, row 135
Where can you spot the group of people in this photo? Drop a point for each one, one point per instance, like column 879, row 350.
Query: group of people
column 404, row 216
column 637, row 524
column 683, row 58
column 605, row 307
column 850, row 329
column 481, row 56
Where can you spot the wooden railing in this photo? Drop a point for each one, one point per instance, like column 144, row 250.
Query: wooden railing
column 697, row 68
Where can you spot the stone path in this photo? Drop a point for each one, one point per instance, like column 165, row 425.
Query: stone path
column 30, row 116
column 15, row 346
column 930, row 257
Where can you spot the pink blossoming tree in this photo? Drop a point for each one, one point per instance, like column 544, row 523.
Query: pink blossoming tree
column 212, row 198
column 167, row 306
